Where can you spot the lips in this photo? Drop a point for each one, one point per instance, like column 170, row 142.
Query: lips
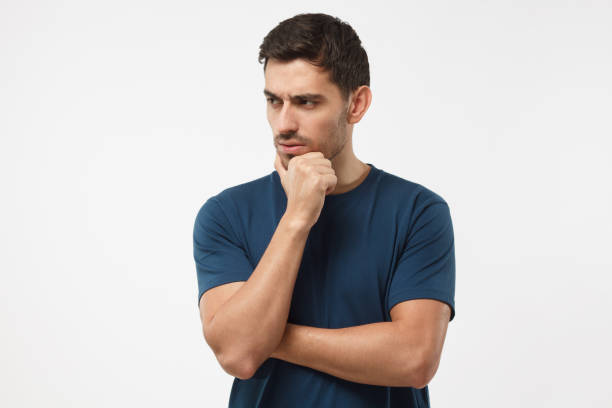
column 291, row 148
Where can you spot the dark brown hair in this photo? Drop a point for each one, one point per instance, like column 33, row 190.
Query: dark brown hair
column 325, row 41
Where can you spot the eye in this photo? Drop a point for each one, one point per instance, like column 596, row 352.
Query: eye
column 307, row 102
column 271, row 100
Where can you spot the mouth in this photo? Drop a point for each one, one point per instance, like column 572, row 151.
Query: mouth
column 291, row 148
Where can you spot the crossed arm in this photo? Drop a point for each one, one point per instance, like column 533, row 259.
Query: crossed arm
column 244, row 325
column 402, row 353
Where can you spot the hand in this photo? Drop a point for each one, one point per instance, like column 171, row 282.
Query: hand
column 307, row 180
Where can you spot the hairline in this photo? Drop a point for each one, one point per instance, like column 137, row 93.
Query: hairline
column 345, row 97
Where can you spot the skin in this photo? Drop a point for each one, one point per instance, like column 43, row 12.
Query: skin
column 323, row 125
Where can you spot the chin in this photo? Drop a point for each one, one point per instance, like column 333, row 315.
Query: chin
column 290, row 156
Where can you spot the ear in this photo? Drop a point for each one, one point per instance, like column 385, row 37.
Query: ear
column 358, row 104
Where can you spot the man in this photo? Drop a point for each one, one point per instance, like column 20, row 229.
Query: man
column 328, row 282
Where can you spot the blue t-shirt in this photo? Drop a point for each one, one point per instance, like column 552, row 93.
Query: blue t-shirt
column 385, row 241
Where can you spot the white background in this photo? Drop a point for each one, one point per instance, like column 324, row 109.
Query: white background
column 118, row 119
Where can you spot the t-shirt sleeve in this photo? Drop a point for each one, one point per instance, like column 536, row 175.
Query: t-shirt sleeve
column 219, row 256
column 426, row 266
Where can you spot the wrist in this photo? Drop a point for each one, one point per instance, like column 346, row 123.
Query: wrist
column 295, row 224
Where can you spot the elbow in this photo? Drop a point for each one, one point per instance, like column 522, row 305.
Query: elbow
column 234, row 362
column 420, row 380
column 230, row 364
column 238, row 359
column 237, row 367
column 422, row 372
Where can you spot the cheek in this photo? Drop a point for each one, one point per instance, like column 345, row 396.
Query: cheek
column 331, row 125
column 322, row 124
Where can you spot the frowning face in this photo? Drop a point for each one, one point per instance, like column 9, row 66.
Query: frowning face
column 304, row 107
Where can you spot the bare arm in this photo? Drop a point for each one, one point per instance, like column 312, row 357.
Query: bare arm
column 402, row 353
column 250, row 325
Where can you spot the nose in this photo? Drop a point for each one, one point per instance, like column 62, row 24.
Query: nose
column 287, row 122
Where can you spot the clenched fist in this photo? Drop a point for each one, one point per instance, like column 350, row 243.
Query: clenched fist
column 307, row 180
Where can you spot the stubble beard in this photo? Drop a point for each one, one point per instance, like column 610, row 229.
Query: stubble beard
column 333, row 145
column 338, row 140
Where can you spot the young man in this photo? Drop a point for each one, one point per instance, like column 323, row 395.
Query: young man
column 328, row 282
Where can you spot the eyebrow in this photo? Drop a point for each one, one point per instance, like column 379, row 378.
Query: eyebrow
column 307, row 96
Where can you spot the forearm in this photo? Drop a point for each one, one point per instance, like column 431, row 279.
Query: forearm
column 251, row 323
column 377, row 353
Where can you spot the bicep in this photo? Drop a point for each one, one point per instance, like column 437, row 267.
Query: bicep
column 425, row 269
column 425, row 322
column 221, row 261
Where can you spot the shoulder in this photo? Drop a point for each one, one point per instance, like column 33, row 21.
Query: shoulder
column 230, row 200
column 408, row 193
column 248, row 190
column 424, row 214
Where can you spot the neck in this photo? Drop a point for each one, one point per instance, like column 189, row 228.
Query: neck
column 350, row 171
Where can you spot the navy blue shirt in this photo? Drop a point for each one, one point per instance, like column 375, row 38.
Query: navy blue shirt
column 386, row 241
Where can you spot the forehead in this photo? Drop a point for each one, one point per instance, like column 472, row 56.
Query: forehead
column 285, row 78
